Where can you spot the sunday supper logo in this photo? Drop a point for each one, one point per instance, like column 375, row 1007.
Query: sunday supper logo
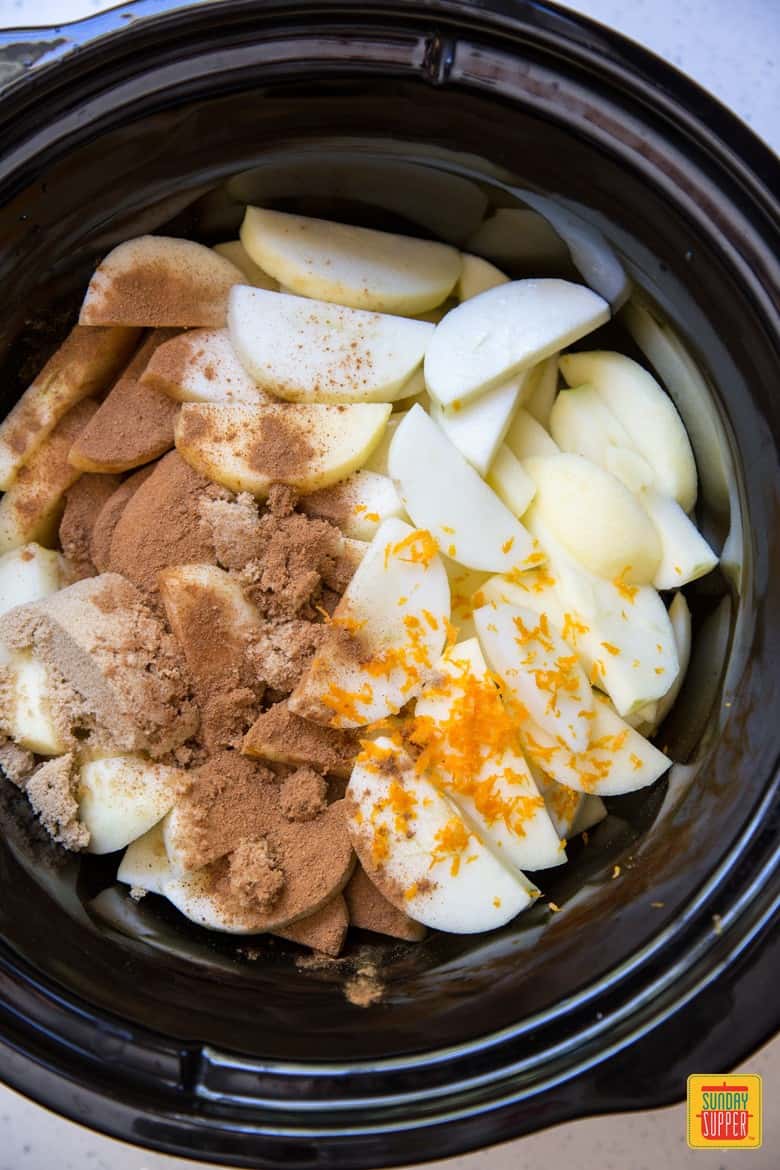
column 724, row 1112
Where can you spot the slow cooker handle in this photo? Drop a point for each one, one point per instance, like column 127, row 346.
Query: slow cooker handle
column 25, row 50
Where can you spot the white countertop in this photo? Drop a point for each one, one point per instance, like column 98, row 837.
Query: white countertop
column 732, row 49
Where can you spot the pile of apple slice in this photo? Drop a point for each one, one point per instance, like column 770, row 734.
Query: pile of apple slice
column 503, row 643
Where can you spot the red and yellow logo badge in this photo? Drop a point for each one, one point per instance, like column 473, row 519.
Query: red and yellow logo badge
column 724, row 1112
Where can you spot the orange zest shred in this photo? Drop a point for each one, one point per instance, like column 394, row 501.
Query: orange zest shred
column 625, row 590
column 451, row 841
column 611, row 648
column 418, row 548
column 573, row 628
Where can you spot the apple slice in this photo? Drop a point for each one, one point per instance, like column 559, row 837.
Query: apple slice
column 236, row 253
column 358, row 505
column 647, row 414
column 617, row 760
column 201, row 366
column 28, row 574
column 85, row 364
column 680, row 617
column 478, row 428
column 571, row 812
column 30, row 509
column 353, row 266
column 622, row 633
column 582, row 424
column 193, row 896
column 685, row 554
column 29, row 704
column 544, row 388
column 465, row 585
column 520, row 237
column 313, row 351
column 386, row 634
column 477, row 276
column 526, row 437
column 134, row 423
column 596, row 518
column 511, row 482
column 420, row 853
column 160, row 281
column 471, row 752
column 444, row 494
column 504, row 330
column 539, row 670
column 377, row 460
column 306, row 445
column 145, row 864
column 535, row 590
column 121, row 797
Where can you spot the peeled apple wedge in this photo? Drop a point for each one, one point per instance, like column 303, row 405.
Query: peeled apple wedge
column 504, row 330
column 527, row 437
column 535, row 590
column 544, row 388
column 306, row 445
column 478, row 428
column 145, row 865
column 493, row 789
column 377, row 460
column 476, row 276
column 312, row 351
column 193, row 897
column 465, row 585
column 236, row 253
column 647, row 414
column 421, row 854
column 621, row 632
column 201, row 366
column 357, row 505
column 27, row 717
column 680, row 617
column 539, row 670
column 617, row 760
column 157, row 281
column 685, row 554
column 597, row 519
column 582, row 424
column 27, row 574
column 510, row 481
column 386, row 634
column 571, row 812
column 443, row 493
column 121, row 797
column 353, row 266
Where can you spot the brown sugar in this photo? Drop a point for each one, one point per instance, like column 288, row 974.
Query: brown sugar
column 325, row 931
column 160, row 281
column 255, row 876
column 235, row 529
column 280, row 652
column 230, row 800
column 135, row 422
column 52, row 791
column 302, row 796
column 161, row 525
column 296, row 554
column 283, row 737
column 83, row 504
column 215, row 626
column 363, row 990
column 125, row 682
column 370, row 910
column 16, row 762
column 108, row 517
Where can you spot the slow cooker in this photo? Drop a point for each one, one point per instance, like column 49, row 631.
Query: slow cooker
column 158, row 117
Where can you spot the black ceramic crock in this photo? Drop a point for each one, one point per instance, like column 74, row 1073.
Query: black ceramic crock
column 128, row 1019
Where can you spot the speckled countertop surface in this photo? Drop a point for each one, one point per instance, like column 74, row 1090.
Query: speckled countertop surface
column 733, row 49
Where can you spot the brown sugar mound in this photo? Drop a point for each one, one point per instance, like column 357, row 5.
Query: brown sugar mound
column 296, row 554
column 230, row 800
column 16, row 762
column 161, row 525
column 302, row 796
column 128, row 685
column 370, row 910
column 83, row 504
column 52, row 791
column 255, row 876
column 160, row 280
column 133, row 425
column 284, row 738
column 325, row 931
column 215, row 625
column 280, row 652
column 108, row 518
column 235, row 529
